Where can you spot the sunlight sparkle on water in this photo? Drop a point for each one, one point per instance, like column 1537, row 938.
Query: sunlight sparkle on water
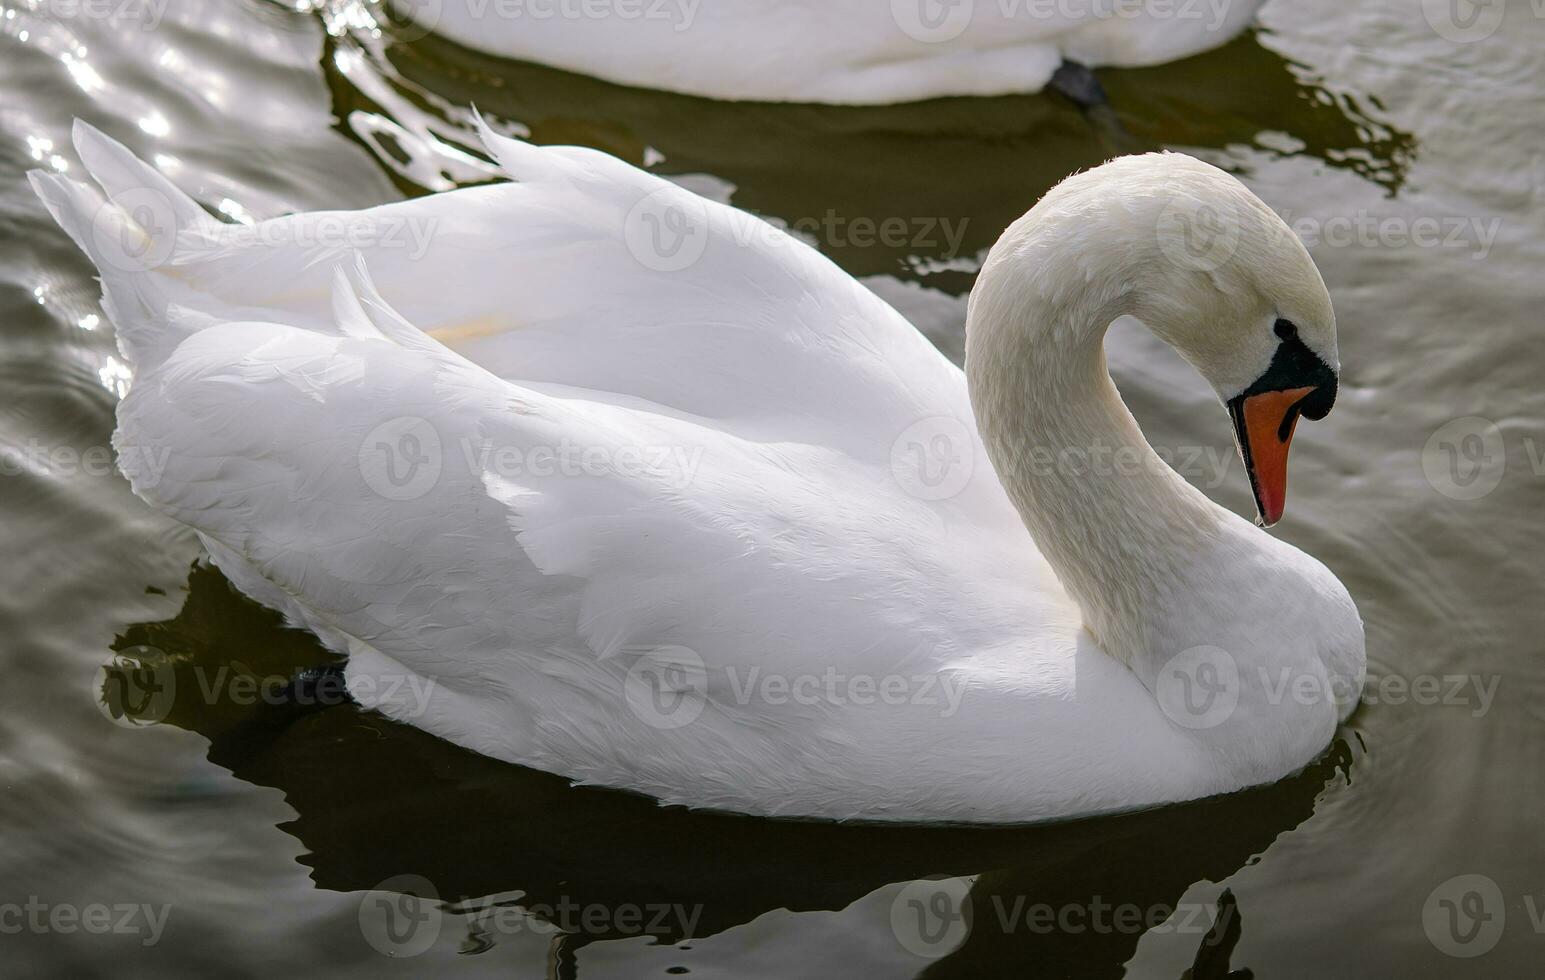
column 233, row 210
column 85, row 76
column 115, row 376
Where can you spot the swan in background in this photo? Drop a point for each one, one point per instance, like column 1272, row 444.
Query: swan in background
column 587, row 473
column 846, row 52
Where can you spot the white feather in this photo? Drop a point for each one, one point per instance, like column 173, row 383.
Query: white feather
column 379, row 465
column 836, row 51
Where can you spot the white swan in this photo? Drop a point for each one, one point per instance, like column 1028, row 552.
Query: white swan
column 834, row 51
column 648, row 516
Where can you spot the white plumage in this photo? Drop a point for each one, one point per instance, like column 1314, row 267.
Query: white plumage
column 834, row 51
column 572, row 501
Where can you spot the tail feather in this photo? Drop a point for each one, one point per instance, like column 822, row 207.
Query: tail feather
column 121, row 174
column 71, row 203
column 130, row 225
column 532, row 164
column 520, row 160
column 360, row 311
column 353, row 319
column 381, row 314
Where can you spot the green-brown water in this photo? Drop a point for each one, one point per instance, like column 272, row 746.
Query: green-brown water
column 240, row 838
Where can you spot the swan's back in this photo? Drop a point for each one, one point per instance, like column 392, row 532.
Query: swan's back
column 618, row 465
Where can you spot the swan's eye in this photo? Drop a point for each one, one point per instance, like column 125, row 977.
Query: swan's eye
column 1285, row 329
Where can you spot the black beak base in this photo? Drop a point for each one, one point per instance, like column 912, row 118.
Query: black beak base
column 1293, row 366
column 1295, row 372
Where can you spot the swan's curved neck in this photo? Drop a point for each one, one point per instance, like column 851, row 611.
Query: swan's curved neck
column 1123, row 530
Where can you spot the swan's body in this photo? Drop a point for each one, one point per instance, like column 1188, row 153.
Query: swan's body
column 782, row 554
column 835, row 51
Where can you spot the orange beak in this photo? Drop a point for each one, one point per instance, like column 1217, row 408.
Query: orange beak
column 1297, row 382
column 1264, row 425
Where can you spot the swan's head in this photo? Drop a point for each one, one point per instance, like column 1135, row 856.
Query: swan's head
column 1211, row 270
column 1236, row 293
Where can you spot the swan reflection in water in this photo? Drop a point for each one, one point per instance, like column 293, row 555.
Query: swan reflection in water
column 380, row 804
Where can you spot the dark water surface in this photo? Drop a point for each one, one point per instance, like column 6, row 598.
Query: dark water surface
column 241, row 838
